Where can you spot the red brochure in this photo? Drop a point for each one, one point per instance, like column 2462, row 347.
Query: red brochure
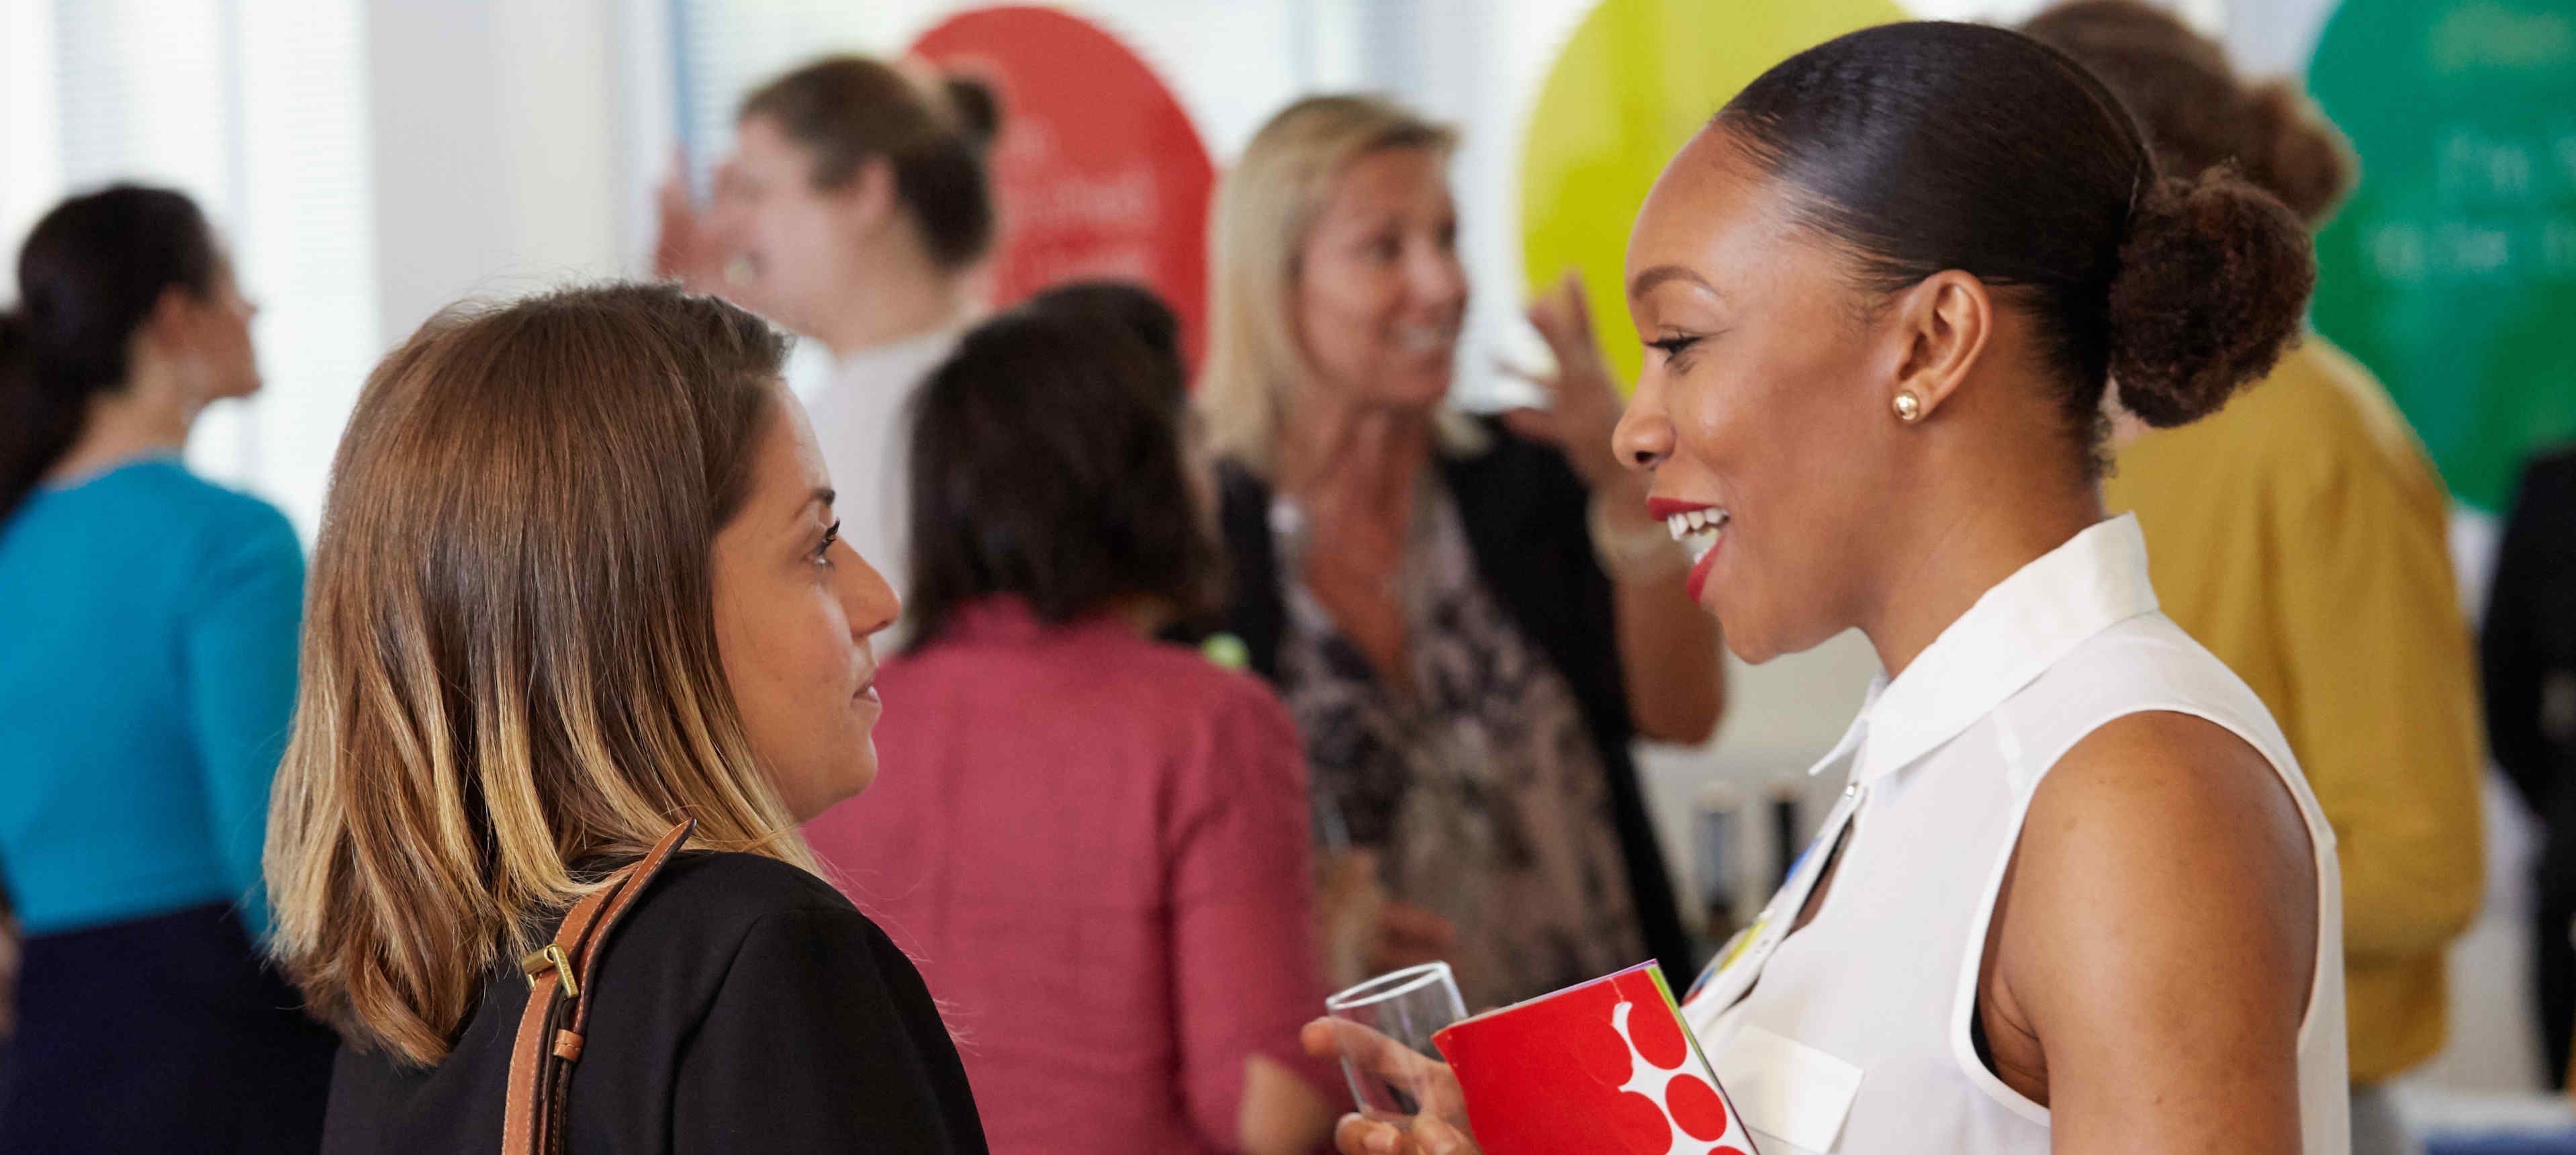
column 1603, row 1066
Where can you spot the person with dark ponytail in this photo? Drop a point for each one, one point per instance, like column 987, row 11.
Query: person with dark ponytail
column 854, row 210
column 2304, row 537
column 148, row 623
column 2077, row 895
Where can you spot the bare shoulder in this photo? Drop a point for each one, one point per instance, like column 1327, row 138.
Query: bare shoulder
column 2171, row 824
column 2158, row 934
column 2170, row 787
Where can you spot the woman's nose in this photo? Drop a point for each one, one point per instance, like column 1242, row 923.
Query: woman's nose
column 1439, row 279
column 1644, row 437
column 872, row 605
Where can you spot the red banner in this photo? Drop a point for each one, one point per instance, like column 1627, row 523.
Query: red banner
column 1098, row 171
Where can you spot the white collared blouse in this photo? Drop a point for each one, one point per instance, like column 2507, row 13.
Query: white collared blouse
column 1856, row 1038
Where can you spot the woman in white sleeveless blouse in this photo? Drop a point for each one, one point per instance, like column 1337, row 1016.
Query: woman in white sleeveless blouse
column 2076, row 896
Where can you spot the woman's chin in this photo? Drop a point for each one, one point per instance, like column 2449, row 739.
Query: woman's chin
column 842, row 783
column 856, row 780
column 1747, row 652
column 1756, row 641
column 1418, row 392
column 1744, row 638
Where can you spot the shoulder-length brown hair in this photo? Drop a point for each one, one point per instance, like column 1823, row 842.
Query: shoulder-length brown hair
column 509, row 659
column 1046, row 463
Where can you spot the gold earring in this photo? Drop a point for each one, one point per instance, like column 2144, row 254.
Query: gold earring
column 1909, row 408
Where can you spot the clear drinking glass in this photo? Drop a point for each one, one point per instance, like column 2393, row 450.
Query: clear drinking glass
column 1406, row 1006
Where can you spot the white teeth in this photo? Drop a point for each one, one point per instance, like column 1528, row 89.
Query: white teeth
column 1698, row 523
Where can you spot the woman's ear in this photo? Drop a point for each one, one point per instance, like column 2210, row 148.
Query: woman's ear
column 868, row 199
column 169, row 331
column 1943, row 322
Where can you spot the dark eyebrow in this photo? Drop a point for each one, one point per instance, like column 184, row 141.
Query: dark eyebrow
column 823, row 494
column 1646, row 281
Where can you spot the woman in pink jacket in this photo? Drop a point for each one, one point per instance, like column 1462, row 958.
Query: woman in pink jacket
column 1093, row 843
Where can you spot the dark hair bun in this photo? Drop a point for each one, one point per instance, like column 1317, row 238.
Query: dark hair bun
column 977, row 107
column 2295, row 152
column 2213, row 282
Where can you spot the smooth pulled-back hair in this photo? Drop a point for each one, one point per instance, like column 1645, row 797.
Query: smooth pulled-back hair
column 1925, row 146
column 92, row 271
column 509, row 666
column 1046, row 463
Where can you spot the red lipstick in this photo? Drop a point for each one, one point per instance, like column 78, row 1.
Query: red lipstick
column 1700, row 570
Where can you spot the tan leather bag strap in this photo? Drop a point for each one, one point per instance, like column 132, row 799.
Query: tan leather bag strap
column 559, row 978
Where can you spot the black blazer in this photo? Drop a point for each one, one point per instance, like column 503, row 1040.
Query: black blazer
column 743, row 1005
column 2529, row 644
column 1526, row 515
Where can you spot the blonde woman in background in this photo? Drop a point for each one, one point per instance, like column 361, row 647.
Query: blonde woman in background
column 855, row 210
column 579, row 580
column 1470, row 619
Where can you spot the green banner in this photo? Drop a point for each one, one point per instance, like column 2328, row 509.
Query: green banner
column 2452, row 272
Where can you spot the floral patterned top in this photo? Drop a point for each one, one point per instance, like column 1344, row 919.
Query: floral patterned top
column 1482, row 792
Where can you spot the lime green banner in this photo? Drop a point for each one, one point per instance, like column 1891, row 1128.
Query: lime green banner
column 1632, row 85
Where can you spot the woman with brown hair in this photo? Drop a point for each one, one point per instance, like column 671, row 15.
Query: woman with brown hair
column 1098, row 846
column 854, row 209
column 578, row 581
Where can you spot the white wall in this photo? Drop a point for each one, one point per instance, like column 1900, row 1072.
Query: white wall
column 505, row 152
column 257, row 110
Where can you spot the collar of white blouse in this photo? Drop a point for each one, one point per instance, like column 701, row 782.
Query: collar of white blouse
column 2014, row 633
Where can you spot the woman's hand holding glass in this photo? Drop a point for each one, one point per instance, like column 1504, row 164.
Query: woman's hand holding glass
column 1441, row 1126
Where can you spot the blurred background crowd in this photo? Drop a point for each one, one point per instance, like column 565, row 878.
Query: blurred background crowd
column 1497, row 731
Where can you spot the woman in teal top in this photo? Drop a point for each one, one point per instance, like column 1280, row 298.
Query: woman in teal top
column 147, row 673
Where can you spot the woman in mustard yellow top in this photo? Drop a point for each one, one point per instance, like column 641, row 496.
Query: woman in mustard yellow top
column 2301, row 535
